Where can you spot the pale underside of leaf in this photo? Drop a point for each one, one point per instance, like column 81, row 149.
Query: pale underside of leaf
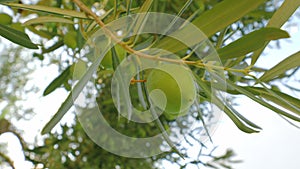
column 282, row 15
column 212, row 21
column 251, row 42
column 249, row 94
column 45, row 19
column 290, row 62
column 51, row 10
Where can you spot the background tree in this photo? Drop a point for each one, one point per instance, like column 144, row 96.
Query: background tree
column 239, row 31
column 14, row 73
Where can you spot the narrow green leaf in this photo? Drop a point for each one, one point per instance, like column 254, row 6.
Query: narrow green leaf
column 281, row 99
column 248, row 122
column 67, row 104
column 144, row 44
column 200, row 114
column 286, row 101
column 90, row 28
column 160, row 125
column 138, row 23
column 291, row 62
column 232, row 115
column 261, row 101
column 45, row 19
column 53, row 47
column 186, row 5
column 224, row 14
column 17, row 37
column 164, row 132
column 115, row 58
column 140, row 86
column 51, row 10
column 146, row 6
column 251, row 42
column 210, row 22
column 4, row 1
column 41, row 33
column 128, row 4
column 115, row 8
column 281, row 16
column 58, row 81
column 256, row 95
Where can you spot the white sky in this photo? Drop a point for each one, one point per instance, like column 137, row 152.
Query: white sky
column 277, row 145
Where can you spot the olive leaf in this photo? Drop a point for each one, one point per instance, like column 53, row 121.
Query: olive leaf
column 58, row 81
column 17, row 37
column 50, row 10
column 241, row 122
column 251, row 42
column 67, row 104
column 211, row 21
column 248, row 93
column 4, row 1
column 290, row 62
column 45, row 19
column 281, row 16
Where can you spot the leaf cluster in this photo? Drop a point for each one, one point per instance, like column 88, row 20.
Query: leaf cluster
column 239, row 31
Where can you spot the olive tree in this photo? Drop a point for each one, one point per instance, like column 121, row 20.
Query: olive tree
column 152, row 68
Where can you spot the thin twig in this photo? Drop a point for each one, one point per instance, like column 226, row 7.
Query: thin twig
column 130, row 50
column 85, row 9
column 7, row 159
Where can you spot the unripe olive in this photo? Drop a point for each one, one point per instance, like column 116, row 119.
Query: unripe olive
column 173, row 116
column 175, row 84
column 70, row 39
column 5, row 19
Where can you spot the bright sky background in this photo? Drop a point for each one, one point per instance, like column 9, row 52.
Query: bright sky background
column 276, row 147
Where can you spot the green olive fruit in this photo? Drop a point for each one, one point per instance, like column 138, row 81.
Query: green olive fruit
column 5, row 19
column 78, row 69
column 17, row 26
column 172, row 89
column 107, row 59
column 173, row 116
column 70, row 39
